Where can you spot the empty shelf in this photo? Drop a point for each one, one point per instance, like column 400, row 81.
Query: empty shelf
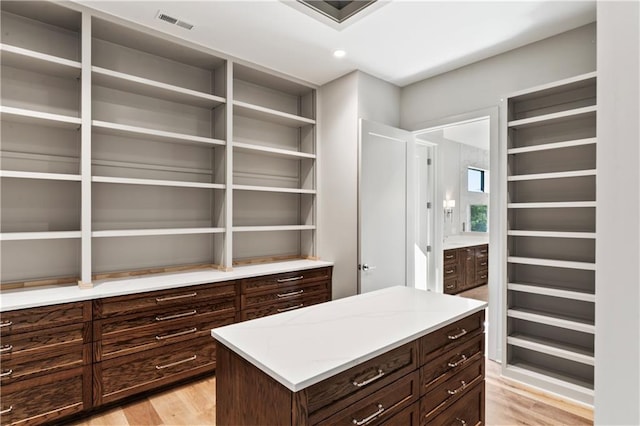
column 273, row 228
column 150, row 232
column 555, row 175
column 552, row 290
column 551, row 146
column 37, row 175
column 554, row 319
column 552, row 262
column 552, row 347
column 48, row 235
column 551, row 234
column 273, row 189
column 552, row 205
column 554, row 117
column 267, row 114
column 154, row 182
column 104, row 127
column 36, row 117
column 18, row 57
column 553, row 376
column 274, row 152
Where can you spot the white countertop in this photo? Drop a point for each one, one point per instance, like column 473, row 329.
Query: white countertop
column 50, row 295
column 303, row 347
column 464, row 240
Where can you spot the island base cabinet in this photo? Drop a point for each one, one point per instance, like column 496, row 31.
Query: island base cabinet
column 467, row 410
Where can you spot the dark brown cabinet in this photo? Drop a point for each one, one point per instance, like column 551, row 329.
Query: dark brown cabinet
column 465, row 268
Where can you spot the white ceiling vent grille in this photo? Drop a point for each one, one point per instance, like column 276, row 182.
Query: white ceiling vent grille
column 174, row 21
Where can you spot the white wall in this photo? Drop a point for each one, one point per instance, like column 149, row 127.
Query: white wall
column 378, row 100
column 617, row 351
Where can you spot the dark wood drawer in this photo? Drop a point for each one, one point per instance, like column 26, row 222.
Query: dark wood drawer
column 343, row 389
column 276, row 281
column 409, row 416
column 128, row 375
column 482, row 277
column 450, row 271
column 36, row 341
column 467, row 410
column 482, row 251
column 285, row 293
column 451, row 389
column 440, row 341
column 443, row 367
column 482, row 263
column 379, row 406
column 284, row 306
column 44, row 318
column 157, row 335
column 120, row 305
column 450, row 256
column 47, row 398
column 451, row 285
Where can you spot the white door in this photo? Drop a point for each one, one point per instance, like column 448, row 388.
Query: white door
column 385, row 216
column 424, row 219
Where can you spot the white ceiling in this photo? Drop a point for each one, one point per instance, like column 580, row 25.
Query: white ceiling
column 400, row 41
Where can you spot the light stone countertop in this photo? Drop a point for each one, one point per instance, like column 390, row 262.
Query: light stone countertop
column 464, row 240
column 51, row 295
column 303, row 347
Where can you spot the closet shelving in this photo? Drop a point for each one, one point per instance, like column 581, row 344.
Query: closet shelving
column 550, row 143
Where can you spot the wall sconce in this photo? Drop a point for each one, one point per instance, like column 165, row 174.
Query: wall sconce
column 448, row 207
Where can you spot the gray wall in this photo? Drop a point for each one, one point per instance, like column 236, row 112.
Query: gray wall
column 617, row 351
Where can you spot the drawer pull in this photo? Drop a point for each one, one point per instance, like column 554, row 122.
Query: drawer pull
column 483, row 264
column 7, row 411
column 450, row 271
column 173, row 364
column 483, row 276
column 179, row 333
column 372, row 379
column 460, row 389
column 462, row 422
column 450, row 286
column 170, row 317
column 6, row 324
column 291, row 293
column 291, row 308
column 457, row 336
column 6, row 373
column 462, row 359
column 6, row 348
column 451, row 256
column 181, row 296
column 369, row 418
column 286, row 280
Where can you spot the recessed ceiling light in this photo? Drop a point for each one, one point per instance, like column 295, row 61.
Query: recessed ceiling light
column 339, row 53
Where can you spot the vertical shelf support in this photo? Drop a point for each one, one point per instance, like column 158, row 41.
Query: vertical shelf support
column 228, row 202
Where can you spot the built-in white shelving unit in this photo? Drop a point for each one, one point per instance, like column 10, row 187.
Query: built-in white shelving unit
column 550, row 144
column 132, row 151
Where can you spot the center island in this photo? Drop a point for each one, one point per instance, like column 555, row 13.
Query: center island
column 397, row 356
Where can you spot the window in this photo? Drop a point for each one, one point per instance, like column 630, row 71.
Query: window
column 478, row 217
column 477, row 180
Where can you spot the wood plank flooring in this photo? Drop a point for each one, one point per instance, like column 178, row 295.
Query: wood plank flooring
column 194, row 404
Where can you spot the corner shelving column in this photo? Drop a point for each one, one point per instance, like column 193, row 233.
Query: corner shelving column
column 550, row 265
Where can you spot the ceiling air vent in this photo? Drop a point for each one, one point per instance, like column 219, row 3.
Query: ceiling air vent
column 174, row 21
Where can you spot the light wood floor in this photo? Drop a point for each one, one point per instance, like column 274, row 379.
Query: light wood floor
column 194, row 404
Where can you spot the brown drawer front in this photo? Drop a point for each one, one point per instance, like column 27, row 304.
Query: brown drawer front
column 37, row 363
column 451, row 285
column 121, row 305
column 285, row 294
column 453, row 388
column 450, row 271
column 273, row 282
column 44, row 399
column 163, row 315
column 128, row 375
column 482, row 277
column 482, row 251
column 410, row 416
column 468, row 410
column 379, row 406
column 277, row 308
column 450, row 256
column 159, row 335
column 436, row 343
column 345, row 388
column 482, row 264
column 35, row 341
column 45, row 317
column 459, row 357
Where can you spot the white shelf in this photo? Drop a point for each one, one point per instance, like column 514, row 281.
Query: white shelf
column 273, row 152
column 551, row 234
column 104, row 127
column 48, row 235
column 39, row 118
column 552, row 205
column 273, row 228
column 551, row 262
column 37, row 175
column 273, row 189
column 551, row 146
column 18, row 57
column 554, row 291
column 556, row 175
column 553, row 348
column 553, row 87
column 554, row 117
column 151, row 232
column 155, row 182
column 554, row 320
column 143, row 86
column 581, row 387
column 267, row 114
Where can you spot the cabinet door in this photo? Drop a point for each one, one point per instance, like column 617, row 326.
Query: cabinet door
column 467, row 267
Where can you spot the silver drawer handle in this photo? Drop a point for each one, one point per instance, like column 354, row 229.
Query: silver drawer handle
column 449, row 256
column 450, row 271
column 462, row 422
column 292, row 293
column 173, row 364
column 286, row 280
column 6, row 324
column 291, row 308
column 170, row 317
column 6, row 348
column 369, row 418
column 372, row 379
column 460, row 389
column 7, row 411
column 180, row 333
column 483, row 276
column 182, row 296
column 6, row 373
column 462, row 359
column 459, row 335
column 483, row 264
